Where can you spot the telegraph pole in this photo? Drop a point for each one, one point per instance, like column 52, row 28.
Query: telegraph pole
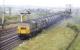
column 10, row 9
column 3, row 14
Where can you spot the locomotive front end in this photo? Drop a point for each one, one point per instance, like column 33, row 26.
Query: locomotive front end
column 23, row 31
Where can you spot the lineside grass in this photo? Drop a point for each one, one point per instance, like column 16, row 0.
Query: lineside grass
column 54, row 38
column 76, row 44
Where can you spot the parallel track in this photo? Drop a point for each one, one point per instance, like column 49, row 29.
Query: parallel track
column 5, row 32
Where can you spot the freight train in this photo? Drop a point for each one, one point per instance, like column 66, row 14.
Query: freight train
column 32, row 27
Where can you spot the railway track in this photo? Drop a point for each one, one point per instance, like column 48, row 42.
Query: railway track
column 13, row 43
column 9, row 39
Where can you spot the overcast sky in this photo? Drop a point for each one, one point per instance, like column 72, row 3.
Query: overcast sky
column 46, row 3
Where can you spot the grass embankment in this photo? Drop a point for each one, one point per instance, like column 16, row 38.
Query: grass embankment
column 56, row 38
column 76, row 44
